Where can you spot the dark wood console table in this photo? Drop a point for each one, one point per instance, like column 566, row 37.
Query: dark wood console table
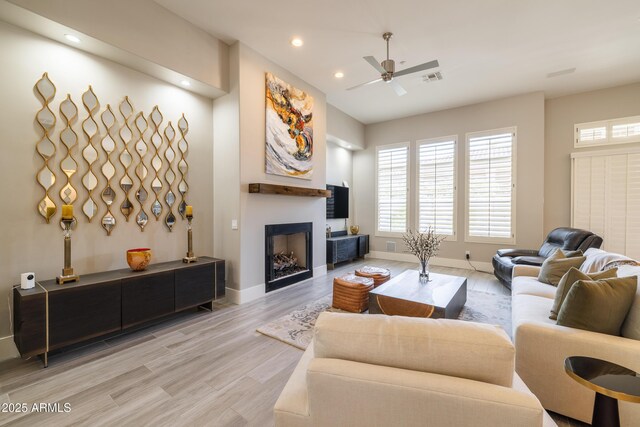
column 52, row 316
column 344, row 247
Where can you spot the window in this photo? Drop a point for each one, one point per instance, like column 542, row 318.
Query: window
column 392, row 189
column 491, row 186
column 437, row 185
column 607, row 132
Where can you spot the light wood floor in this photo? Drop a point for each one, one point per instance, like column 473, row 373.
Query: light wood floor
column 195, row 369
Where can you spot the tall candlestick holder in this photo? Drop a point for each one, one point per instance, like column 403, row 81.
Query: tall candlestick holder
column 67, row 271
column 190, row 256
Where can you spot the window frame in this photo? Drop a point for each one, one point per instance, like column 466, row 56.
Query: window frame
column 428, row 141
column 608, row 125
column 514, row 157
column 379, row 148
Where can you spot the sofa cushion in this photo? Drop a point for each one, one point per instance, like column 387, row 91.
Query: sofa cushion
column 631, row 325
column 598, row 306
column 567, row 281
column 469, row 350
column 598, row 260
column 530, row 309
column 554, row 267
column 527, row 285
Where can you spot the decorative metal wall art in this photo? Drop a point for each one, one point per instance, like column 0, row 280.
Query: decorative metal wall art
column 45, row 147
column 141, row 170
column 126, row 135
column 183, row 166
column 170, row 176
column 108, row 169
column 116, row 138
column 69, row 139
column 90, row 154
column 156, row 161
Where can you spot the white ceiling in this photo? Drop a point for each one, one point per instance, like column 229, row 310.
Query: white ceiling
column 487, row 49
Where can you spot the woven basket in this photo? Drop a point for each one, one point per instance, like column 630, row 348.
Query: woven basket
column 378, row 274
column 351, row 293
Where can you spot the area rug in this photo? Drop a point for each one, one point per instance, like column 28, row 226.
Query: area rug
column 296, row 328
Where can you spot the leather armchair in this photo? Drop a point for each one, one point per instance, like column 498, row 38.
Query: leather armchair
column 565, row 238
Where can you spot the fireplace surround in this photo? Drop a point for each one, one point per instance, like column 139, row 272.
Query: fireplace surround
column 288, row 254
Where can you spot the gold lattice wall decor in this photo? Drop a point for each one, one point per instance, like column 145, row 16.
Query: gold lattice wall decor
column 132, row 145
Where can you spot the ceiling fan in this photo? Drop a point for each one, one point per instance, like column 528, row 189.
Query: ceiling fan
column 387, row 69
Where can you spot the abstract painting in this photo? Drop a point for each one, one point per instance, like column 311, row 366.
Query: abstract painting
column 289, row 133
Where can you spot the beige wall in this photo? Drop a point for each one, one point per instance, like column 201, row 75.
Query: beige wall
column 560, row 116
column 525, row 111
column 257, row 210
column 340, row 169
column 226, row 173
column 344, row 129
column 145, row 29
column 28, row 244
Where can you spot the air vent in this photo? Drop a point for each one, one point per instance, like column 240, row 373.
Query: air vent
column 431, row 77
column 391, row 246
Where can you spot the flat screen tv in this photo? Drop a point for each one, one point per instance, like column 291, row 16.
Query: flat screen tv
column 338, row 203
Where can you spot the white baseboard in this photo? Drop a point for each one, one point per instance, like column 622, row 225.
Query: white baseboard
column 8, row 348
column 442, row 262
column 244, row 296
column 320, row 271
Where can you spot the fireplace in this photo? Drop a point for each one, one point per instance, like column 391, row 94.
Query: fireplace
column 288, row 254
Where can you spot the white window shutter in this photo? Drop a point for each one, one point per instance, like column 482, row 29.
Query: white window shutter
column 392, row 185
column 633, row 206
column 490, row 160
column 437, row 185
column 606, row 198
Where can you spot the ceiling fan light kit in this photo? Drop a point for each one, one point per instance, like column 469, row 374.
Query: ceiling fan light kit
column 387, row 69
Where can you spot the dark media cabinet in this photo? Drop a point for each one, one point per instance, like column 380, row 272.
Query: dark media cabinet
column 51, row 316
column 344, row 247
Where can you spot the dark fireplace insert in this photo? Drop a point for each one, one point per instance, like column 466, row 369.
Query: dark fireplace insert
column 288, row 254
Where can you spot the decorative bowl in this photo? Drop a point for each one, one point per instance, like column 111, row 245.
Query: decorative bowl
column 354, row 229
column 138, row 259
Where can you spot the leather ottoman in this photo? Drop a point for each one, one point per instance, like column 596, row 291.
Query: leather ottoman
column 351, row 293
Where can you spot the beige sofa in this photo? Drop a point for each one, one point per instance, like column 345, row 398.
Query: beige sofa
column 399, row 371
column 542, row 346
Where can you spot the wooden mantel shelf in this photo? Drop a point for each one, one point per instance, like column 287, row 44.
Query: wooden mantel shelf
column 288, row 190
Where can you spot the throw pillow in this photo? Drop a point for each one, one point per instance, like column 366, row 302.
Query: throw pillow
column 598, row 306
column 571, row 254
column 554, row 267
column 567, row 281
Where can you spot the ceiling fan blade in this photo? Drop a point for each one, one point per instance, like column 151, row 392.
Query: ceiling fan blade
column 365, row 84
column 397, row 88
column 421, row 67
column 374, row 63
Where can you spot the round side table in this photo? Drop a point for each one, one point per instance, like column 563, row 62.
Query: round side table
column 611, row 383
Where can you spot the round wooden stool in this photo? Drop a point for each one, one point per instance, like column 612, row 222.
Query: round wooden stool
column 378, row 274
column 351, row 293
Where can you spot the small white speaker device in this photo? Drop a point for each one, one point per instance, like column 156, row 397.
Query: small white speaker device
column 27, row 280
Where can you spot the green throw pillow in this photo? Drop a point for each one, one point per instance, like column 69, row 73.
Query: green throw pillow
column 567, row 281
column 598, row 306
column 554, row 267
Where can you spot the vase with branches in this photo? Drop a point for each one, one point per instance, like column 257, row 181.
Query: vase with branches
column 423, row 246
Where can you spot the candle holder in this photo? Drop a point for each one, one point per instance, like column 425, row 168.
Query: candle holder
column 67, row 271
column 190, row 256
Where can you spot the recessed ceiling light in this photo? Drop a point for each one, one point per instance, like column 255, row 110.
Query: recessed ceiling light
column 297, row 42
column 338, row 75
column 72, row 38
column 185, row 83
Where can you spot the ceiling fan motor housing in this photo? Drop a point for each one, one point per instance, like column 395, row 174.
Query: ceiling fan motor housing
column 389, row 66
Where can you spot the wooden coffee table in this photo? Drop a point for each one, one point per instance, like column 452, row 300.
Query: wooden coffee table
column 404, row 295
